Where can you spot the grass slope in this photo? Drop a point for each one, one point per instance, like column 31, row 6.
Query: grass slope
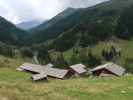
column 125, row 46
column 16, row 85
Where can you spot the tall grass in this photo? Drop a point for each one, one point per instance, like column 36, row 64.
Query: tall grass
column 18, row 86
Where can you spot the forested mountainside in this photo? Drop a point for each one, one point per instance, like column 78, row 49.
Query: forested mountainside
column 10, row 34
column 92, row 36
column 100, row 26
column 73, row 28
column 29, row 24
column 125, row 23
column 52, row 28
column 82, row 27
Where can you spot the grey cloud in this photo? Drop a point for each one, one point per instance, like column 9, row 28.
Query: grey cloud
column 24, row 10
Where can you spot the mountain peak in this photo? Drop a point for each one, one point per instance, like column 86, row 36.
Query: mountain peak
column 67, row 12
column 29, row 24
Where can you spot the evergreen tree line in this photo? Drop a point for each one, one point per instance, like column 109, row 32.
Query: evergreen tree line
column 84, row 56
column 111, row 54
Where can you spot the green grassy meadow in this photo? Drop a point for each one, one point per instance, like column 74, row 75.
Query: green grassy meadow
column 126, row 48
column 16, row 85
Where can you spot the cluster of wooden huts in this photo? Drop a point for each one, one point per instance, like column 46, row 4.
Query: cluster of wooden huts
column 42, row 72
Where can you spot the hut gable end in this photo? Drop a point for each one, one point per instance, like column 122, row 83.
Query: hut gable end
column 109, row 68
column 79, row 68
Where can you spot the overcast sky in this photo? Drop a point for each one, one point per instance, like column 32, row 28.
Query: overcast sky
column 18, row 11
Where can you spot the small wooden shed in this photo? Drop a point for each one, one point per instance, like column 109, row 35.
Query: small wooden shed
column 109, row 68
column 78, row 69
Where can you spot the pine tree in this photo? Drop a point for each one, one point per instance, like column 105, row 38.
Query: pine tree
column 60, row 61
column 43, row 55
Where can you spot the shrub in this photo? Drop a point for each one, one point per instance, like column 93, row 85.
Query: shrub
column 86, row 57
column 60, row 61
column 6, row 50
column 129, row 65
column 26, row 52
column 43, row 54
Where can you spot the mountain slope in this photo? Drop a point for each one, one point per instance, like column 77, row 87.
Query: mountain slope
column 125, row 23
column 9, row 33
column 55, row 26
column 98, row 23
column 71, row 17
column 81, row 27
column 29, row 25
